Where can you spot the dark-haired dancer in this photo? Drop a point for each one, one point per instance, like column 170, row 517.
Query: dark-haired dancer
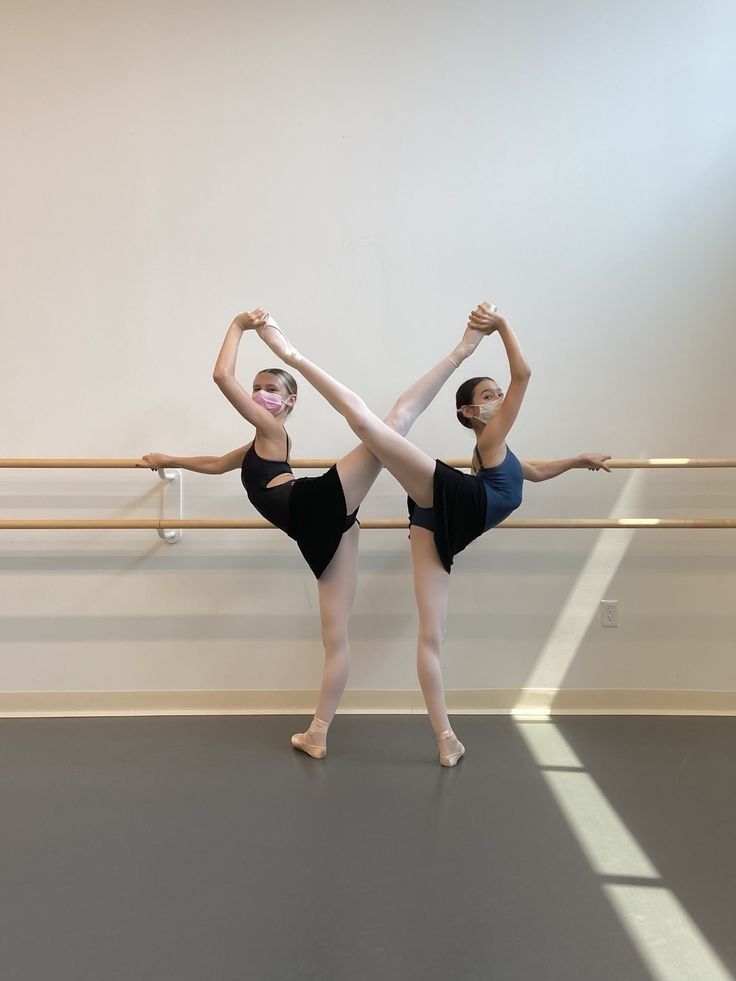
column 448, row 508
column 318, row 512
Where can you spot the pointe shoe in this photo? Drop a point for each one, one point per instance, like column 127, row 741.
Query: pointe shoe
column 477, row 319
column 299, row 740
column 452, row 758
column 287, row 348
column 311, row 749
column 270, row 322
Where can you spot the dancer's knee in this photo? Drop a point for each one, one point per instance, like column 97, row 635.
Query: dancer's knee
column 334, row 639
column 432, row 634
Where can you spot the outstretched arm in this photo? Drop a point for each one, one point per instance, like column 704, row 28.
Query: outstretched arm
column 198, row 464
column 553, row 468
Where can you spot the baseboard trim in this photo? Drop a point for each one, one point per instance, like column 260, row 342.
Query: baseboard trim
column 523, row 702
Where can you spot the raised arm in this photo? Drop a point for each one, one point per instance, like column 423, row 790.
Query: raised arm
column 548, row 469
column 495, row 432
column 485, row 315
column 198, row 464
column 224, row 373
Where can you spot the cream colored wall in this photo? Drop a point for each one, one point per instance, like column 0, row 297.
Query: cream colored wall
column 369, row 172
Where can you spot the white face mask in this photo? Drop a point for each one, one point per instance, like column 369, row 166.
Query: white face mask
column 487, row 410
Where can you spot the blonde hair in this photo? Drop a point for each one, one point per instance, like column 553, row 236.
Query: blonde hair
column 288, row 380
column 284, row 376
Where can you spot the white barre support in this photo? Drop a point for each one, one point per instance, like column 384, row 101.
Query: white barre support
column 171, row 535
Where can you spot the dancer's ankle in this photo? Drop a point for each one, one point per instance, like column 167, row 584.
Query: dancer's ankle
column 318, row 730
column 450, row 748
column 279, row 343
column 470, row 341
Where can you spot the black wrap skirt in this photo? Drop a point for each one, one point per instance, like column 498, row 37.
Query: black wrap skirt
column 318, row 518
column 459, row 508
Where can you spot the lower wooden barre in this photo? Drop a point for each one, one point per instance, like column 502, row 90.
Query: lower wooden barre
column 677, row 463
column 156, row 524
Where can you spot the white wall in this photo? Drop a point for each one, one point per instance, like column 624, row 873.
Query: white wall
column 368, row 172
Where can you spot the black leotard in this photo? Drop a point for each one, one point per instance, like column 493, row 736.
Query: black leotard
column 311, row 510
column 256, row 473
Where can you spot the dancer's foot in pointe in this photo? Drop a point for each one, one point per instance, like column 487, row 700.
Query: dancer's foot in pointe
column 251, row 319
column 279, row 343
column 485, row 318
column 450, row 747
column 313, row 742
column 481, row 322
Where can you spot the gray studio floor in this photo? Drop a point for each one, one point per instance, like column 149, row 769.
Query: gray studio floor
column 207, row 849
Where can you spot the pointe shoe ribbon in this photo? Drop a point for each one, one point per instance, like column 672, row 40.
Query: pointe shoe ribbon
column 270, row 322
column 452, row 758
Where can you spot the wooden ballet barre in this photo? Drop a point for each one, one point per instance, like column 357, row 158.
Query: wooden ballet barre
column 663, row 463
column 673, row 463
column 369, row 523
column 104, row 464
column 72, row 464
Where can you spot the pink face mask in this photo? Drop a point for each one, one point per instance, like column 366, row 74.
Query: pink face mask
column 270, row 401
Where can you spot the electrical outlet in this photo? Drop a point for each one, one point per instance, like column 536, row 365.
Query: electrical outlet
column 609, row 613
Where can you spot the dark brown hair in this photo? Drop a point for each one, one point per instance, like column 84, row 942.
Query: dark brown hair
column 464, row 396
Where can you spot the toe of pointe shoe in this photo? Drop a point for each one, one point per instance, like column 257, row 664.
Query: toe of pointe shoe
column 316, row 752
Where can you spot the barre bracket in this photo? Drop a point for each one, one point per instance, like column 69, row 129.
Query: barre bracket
column 171, row 476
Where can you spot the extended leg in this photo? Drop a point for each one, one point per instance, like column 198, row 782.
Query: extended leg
column 412, row 468
column 359, row 468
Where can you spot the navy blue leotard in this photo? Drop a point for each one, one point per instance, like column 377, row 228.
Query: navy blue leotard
column 466, row 505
